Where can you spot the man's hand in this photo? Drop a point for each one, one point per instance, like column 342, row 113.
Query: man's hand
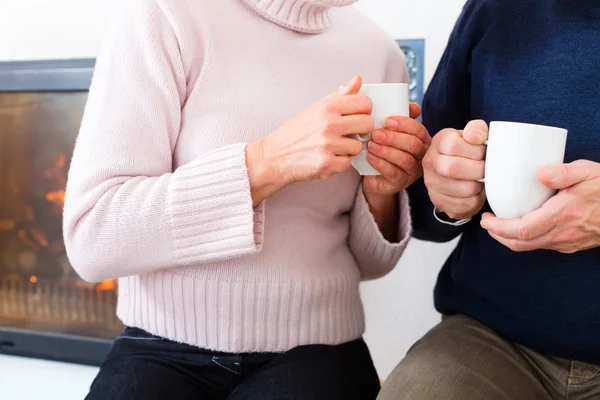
column 569, row 222
column 452, row 167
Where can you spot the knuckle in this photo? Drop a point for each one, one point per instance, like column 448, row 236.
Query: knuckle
column 524, row 233
column 472, row 203
column 322, row 161
column 330, row 106
column 437, row 201
column 445, row 166
column 427, row 162
column 327, row 147
column 408, row 161
column 357, row 147
column 515, row 246
column 473, row 188
column 394, row 173
column 366, row 104
column 415, row 146
column 369, row 123
column 331, row 125
column 346, row 164
column 429, row 180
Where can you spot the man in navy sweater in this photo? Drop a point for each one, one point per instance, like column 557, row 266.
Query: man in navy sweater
column 520, row 298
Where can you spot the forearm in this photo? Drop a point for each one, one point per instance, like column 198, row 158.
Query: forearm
column 132, row 222
column 375, row 254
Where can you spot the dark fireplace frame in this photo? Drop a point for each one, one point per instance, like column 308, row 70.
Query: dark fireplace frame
column 50, row 76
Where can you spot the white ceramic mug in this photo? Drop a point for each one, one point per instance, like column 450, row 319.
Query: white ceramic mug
column 515, row 153
column 389, row 99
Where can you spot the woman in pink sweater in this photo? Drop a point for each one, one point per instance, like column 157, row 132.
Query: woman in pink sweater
column 233, row 220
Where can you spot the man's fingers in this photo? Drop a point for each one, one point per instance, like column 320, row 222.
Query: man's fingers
column 458, row 168
column 455, row 188
column 563, row 176
column 451, row 143
column 515, row 244
column 457, row 208
column 528, row 228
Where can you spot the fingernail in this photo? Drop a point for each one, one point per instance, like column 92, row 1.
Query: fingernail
column 378, row 135
column 391, row 123
column 374, row 147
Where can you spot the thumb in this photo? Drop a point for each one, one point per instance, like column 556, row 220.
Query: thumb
column 476, row 132
column 415, row 110
column 563, row 176
column 352, row 87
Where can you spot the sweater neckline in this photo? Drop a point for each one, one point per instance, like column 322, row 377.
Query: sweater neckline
column 305, row 16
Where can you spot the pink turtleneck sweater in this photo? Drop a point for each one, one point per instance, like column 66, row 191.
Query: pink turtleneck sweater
column 158, row 192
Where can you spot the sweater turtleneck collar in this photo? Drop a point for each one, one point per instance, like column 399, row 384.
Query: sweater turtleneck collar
column 306, row 16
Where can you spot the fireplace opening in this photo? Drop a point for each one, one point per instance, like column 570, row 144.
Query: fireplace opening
column 46, row 310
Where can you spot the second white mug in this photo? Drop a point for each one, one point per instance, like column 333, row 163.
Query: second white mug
column 515, row 153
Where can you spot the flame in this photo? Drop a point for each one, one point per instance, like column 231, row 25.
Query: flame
column 33, row 279
column 22, row 235
column 57, row 197
column 56, row 173
column 60, row 163
column 39, row 237
column 106, row 286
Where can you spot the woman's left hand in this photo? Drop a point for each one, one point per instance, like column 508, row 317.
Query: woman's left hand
column 569, row 222
column 396, row 152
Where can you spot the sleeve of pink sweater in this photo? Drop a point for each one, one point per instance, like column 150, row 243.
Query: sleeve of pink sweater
column 374, row 254
column 126, row 211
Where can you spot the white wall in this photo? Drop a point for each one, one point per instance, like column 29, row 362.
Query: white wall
column 399, row 308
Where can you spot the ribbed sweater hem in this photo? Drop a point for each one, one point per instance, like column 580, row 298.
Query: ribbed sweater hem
column 243, row 316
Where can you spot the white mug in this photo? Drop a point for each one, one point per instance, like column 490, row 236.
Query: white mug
column 515, row 153
column 389, row 99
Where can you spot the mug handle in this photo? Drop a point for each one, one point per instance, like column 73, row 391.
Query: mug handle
column 362, row 138
column 482, row 180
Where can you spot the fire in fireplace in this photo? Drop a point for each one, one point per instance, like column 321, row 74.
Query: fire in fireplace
column 46, row 310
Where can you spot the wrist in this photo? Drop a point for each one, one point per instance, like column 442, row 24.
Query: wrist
column 379, row 200
column 385, row 211
column 264, row 179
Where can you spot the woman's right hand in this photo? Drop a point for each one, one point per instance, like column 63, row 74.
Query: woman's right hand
column 314, row 144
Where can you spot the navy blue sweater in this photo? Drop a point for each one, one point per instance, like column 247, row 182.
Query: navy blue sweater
column 534, row 61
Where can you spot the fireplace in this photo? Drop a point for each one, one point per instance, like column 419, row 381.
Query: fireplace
column 46, row 310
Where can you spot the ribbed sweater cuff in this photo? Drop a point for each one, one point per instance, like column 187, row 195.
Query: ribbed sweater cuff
column 375, row 255
column 211, row 208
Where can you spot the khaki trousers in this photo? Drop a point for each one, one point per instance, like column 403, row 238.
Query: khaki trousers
column 461, row 359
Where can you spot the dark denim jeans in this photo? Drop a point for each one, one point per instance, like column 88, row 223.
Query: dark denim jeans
column 145, row 367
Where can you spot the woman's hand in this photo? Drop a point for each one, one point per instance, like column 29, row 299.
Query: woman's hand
column 396, row 152
column 312, row 145
column 569, row 222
